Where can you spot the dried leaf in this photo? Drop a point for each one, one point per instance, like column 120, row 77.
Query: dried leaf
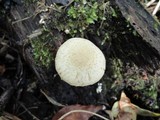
column 125, row 110
column 77, row 115
column 122, row 110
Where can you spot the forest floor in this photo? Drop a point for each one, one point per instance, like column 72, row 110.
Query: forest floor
column 30, row 87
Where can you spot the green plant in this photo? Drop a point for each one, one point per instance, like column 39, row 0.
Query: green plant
column 41, row 50
column 83, row 14
column 79, row 16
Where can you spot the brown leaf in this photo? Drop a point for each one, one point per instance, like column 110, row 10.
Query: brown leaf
column 77, row 115
column 123, row 109
column 127, row 110
column 124, row 102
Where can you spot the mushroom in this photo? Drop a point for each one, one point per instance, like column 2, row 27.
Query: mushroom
column 79, row 62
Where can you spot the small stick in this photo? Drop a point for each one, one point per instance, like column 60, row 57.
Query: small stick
column 34, row 117
column 156, row 9
column 150, row 3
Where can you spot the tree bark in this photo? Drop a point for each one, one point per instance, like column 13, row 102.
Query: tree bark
column 142, row 21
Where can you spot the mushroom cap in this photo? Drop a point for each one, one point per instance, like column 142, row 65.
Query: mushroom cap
column 79, row 62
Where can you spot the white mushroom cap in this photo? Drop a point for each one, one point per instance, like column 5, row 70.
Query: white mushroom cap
column 79, row 62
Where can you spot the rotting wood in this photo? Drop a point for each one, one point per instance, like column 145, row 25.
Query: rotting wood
column 142, row 21
column 22, row 29
column 24, row 26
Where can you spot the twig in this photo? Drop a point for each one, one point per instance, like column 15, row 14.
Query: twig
column 51, row 100
column 26, row 110
column 150, row 3
column 41, row 7
column 26, row 18
column 34, row 117
column 156, row 9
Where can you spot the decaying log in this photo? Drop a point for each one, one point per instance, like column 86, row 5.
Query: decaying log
column 24, row 23
column 142, row 21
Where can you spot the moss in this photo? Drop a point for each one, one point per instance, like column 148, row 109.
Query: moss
column 78, row 17
column 147, row 88
column 127, row 76
column 42, row 50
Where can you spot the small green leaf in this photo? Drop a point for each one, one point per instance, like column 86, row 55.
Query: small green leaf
column 113, row 12
column 90, row 21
